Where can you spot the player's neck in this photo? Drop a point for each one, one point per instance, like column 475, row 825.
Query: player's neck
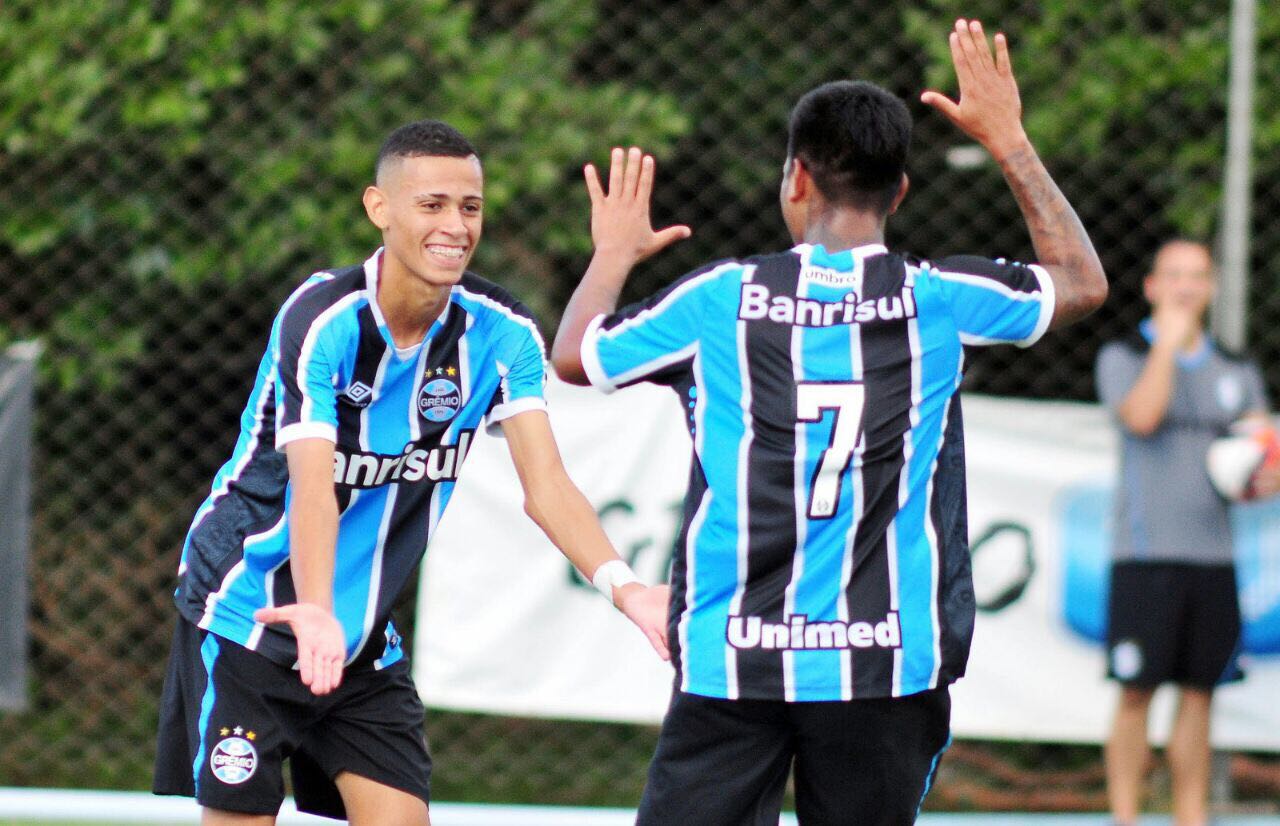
column 843, row 229
column 409, row 304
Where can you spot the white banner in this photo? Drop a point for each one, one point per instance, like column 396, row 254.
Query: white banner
column 1040, row 480
column 505, row 626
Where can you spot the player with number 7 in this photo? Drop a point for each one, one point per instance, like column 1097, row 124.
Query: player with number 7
column 821, row 598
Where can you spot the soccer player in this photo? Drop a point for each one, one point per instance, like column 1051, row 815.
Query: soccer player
column 821, row 601
column 374, row 381
column 1174, row 613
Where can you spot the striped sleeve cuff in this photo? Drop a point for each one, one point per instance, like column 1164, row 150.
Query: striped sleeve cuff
column 502, row 412
column 305, row 430
column 1048, row 298
column 590, row 356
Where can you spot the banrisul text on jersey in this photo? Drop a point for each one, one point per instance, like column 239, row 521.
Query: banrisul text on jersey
column 757, row 304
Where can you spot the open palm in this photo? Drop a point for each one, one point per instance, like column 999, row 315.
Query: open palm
column 989, row 109
column 620, row 221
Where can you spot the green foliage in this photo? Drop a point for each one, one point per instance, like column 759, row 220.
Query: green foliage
column 164, row 146
column 1127, row 85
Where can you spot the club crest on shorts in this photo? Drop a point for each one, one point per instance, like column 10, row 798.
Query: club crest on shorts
column 439, row 400
column 1126, row 659
column 233, row 760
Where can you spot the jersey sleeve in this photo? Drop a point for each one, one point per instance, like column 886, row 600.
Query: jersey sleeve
column 306, row 365
column 521, row 360
column 1115, row 373
column 995, row 302
column 642, row 342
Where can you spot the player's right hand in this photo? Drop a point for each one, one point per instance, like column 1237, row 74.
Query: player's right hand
column 620, row 221
column 322, row 646
column 647, row 608
column 989, row 109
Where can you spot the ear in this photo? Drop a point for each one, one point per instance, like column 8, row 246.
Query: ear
column 375, row 206
column 902, row 193
column 797, row 183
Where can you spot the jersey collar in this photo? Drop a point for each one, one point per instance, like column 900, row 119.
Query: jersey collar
column 840, row 259
column 372, row 269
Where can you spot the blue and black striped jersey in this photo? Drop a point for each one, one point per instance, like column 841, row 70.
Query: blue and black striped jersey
column 823, row 554
column 401, row 419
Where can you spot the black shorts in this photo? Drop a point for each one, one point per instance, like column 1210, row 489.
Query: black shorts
column 230, row 717
column 858, row 763
column 1173, row 622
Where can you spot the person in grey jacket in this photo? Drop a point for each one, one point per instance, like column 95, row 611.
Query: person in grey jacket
column 1173, row 613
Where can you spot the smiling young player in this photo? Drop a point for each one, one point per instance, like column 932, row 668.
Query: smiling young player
column 374, row 381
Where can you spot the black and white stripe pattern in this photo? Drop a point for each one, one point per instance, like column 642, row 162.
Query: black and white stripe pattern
column 771, row 474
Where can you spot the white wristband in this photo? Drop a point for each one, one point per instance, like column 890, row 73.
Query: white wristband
column 613, row 574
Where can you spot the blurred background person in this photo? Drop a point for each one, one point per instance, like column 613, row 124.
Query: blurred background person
column 1173, row 614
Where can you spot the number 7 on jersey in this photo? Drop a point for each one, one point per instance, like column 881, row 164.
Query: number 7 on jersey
column 847, row 400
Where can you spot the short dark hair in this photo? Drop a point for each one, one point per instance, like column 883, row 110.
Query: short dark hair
column 853, row 137
column 424, row 137
column 1181, row 240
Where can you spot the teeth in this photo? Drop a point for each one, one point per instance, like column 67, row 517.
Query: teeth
column 447, row 252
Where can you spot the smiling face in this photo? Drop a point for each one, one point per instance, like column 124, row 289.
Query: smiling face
column 430, row 209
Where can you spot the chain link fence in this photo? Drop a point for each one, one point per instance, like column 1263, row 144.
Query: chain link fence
column 170, row 170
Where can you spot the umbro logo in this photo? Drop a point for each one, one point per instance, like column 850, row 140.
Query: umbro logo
column 358, row 394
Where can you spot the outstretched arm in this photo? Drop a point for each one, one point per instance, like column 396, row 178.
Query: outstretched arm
column 313, row 534
column 990, row 111
column 623, row 237
column 569, row 521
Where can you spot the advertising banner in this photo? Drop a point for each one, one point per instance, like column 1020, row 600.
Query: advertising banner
column 505, row 626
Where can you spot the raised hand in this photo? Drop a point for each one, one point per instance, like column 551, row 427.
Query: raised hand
column 620, row 222
column 1176, row 326
column 989, row 109
column 647, row 608
column 322, row 646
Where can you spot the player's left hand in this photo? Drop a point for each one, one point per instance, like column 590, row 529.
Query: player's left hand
column 647, row 608
column 989, row 109
column 620, row 222
column 322, row 647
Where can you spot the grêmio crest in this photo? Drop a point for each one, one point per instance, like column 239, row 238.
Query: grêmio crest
column 440, row 399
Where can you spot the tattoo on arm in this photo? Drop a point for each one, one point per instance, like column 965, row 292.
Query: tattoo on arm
column 1062, row 245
